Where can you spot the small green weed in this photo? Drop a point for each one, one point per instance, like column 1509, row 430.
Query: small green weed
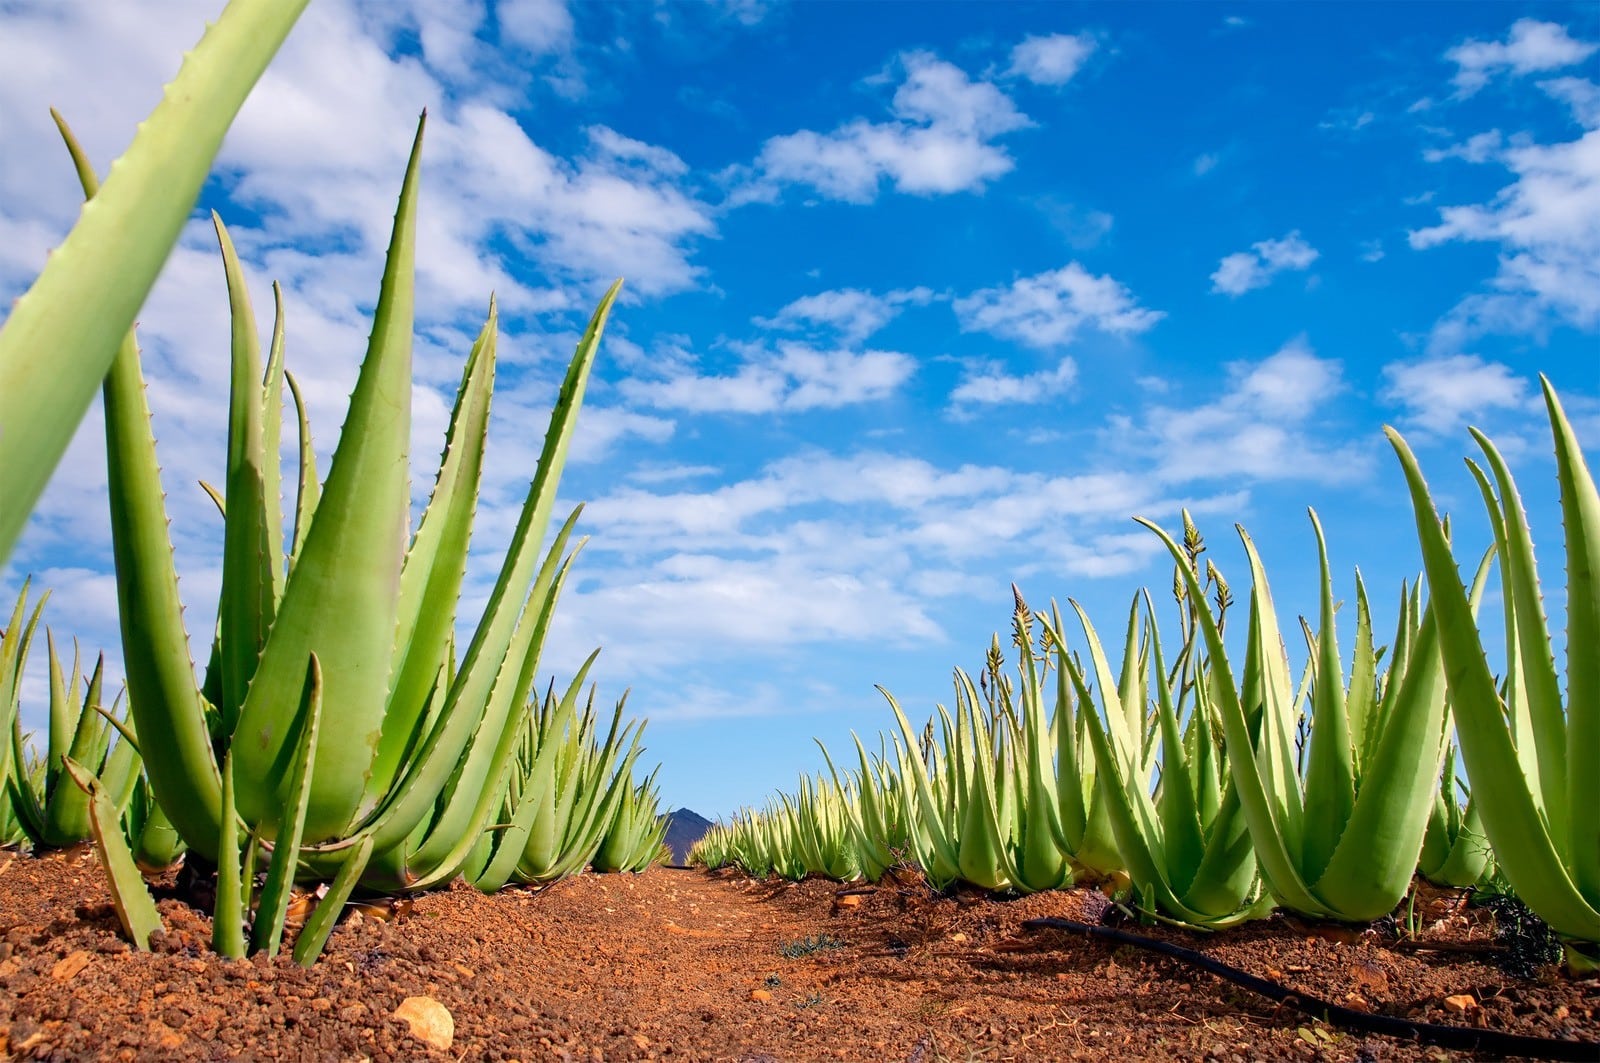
column 806, row 946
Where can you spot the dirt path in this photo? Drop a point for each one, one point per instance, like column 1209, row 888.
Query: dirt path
column 685, row 965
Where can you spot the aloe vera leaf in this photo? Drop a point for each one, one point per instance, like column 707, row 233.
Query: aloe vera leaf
column 340, row 604
column 1580, row 518
column 1512, row 821
column 1330, row 783
column 24, row 796
column 1361, row 696
column 66, row 808
column 158, row 846
column 468, row 740
column 63, row 711
column 163, row 700
column 314, row 935
column 921, row 805
column 15, row 640
column 1371, row 869
column 430, row 582
column 122, row 767
column 494, row 632
column 53, row 352
column 1272, row 849
column 136, row 909
column 273, row 565
column 227, row 918
column 1276, row 744
column 267, row 933
column 1524, row 727
column 245, row 604
column 1181, row 832
column 309, row 489
column 491, row 640
column 1520, row 574
column 467, row 815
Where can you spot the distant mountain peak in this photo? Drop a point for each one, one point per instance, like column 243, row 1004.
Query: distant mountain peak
column 684, row 828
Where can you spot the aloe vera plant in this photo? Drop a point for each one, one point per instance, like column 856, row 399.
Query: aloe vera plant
column 62, row 335
column 1341, row 841
column 562, row 793
column 1184, row 839
column 634, row 839
column 1531, row 754
column 39, row 805
column 399, row 779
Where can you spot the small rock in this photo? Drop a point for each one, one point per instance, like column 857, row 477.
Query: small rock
column 852, row 900
column 760, row 996
column 958, row 936
column 641, row 1041
column 69, row 967
column 1462, row 1003
column 430, row 1021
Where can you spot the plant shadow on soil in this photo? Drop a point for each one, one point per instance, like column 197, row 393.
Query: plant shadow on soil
column 686, row 964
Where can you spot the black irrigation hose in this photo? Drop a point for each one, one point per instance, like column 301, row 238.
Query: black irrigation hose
column 1465, row 1038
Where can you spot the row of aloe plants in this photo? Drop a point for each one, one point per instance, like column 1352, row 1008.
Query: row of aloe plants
column 337, row 731
column 1224, row 785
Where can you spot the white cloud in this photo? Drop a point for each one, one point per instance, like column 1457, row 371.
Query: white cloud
column 854, row 314
column 1547, row 226
column 604, row 427
column 1053, row 59
column 796, row 377
column 1083, row 228
column 1583, row 97
column 1243, row 271
column 1049, row 309
column 1205, row 163
column 1531, row 47
column 939, row 141
column 1439, row 394
column 1265, row 426
column 989, row 384
column 537, row 25
column 1480, row 147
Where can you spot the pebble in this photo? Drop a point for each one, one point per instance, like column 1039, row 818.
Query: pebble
column 430, row 1021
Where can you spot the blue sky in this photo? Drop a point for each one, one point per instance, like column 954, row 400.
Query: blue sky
column 923, row 299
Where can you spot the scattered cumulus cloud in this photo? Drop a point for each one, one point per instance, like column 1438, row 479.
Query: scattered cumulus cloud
column 1243, row 271
column 1270, row 423
column 1580, row 95
column 1051, row 60
column 1546, row 224
column 1438, row 395
column 1048, row 310
column 938, row 140
column 1083, row 228
column 988, row 384
column 1531, row 47
column 1480, row 147
column 537, row 25
column 851, row 312
column 793, row 378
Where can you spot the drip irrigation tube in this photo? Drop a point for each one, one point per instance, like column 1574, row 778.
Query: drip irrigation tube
column 1466, row 1038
